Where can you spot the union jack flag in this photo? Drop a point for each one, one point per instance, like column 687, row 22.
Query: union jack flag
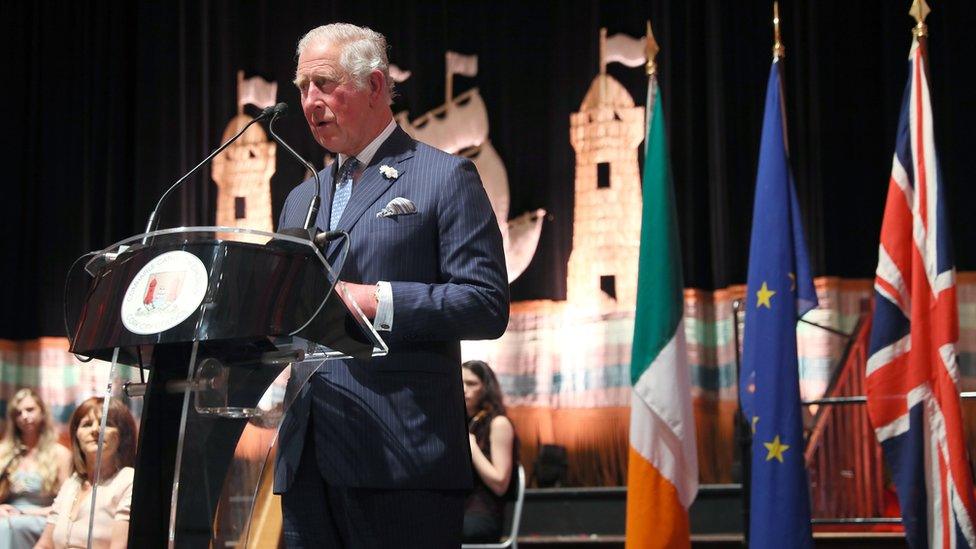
column 912, row 378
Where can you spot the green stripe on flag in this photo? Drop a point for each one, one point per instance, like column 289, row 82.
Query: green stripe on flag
column 660, row 301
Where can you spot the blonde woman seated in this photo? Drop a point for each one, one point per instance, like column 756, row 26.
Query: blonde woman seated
column 494, row 454
column 67, row 524
column 34, row 466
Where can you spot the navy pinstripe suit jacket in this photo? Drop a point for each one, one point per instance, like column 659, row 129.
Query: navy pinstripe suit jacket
column 398, row 421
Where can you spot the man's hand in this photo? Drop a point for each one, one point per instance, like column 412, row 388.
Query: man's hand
column 8, row 510
column 364, row 295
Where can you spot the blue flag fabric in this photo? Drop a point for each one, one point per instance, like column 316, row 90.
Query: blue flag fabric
column 780, row 290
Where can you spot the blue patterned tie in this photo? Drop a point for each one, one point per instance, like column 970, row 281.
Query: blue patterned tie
column 343, row 190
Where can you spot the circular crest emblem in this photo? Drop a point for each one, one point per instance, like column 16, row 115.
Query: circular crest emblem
column 165, row 292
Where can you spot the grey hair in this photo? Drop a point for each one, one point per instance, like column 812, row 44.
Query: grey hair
column 363, row 51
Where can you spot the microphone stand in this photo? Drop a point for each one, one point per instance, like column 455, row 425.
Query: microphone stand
column 152, row 216
column 281, row 109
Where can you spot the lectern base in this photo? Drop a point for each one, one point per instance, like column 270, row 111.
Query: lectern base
column 208, row 447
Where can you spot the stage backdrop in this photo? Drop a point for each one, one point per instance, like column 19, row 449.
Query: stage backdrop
column 110, row 103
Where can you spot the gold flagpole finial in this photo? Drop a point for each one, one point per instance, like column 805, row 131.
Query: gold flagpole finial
column 779, row 51
column 652, row 49
column 920, row 10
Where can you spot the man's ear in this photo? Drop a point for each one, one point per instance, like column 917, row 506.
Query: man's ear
column 377, row 86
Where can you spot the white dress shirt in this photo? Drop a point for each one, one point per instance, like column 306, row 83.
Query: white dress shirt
column 383, row 322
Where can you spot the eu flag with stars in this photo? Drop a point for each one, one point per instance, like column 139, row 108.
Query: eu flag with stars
column 779, row 291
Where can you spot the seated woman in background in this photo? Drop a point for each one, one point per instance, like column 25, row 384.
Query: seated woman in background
column 34, row 466
column 67, row 524
column 494, row 453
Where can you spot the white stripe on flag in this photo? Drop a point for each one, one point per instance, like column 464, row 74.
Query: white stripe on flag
column 893, row 428
column 662, row 425
column 944, row 281
column 947, row 353
column 960, row 515
column 933, row 484
column 891, row 298
column 889, row 272
column 923, row 232
column 931, row 187
column 935, row 435
column 900, row 177
column 885, row 355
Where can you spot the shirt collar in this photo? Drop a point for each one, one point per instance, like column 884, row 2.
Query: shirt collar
column 366, row 155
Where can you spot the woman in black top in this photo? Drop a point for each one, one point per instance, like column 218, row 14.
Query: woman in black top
column 494, row 453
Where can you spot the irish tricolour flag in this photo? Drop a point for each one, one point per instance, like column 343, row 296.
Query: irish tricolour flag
column 662, row 472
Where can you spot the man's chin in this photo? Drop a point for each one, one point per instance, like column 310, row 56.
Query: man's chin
column 321, row 139
column 330, row 144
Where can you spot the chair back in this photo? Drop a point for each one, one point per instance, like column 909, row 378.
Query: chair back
column 517, row 510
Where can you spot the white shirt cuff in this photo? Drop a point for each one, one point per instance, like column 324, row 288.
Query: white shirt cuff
column 384, row 307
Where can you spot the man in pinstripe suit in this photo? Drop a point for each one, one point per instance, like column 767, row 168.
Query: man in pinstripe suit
column 375, row 453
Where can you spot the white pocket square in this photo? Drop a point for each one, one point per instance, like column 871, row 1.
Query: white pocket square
column 397, row 206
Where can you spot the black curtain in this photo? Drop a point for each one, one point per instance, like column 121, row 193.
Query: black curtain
column 111, row 101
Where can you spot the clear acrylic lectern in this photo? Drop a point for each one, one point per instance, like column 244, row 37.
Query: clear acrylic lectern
column 229, row 323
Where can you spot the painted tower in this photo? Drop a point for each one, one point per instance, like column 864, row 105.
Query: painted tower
column 606, row 227
column 243, row 176
column 243, row 171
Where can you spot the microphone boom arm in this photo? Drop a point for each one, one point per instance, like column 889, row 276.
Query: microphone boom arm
column 313, row 208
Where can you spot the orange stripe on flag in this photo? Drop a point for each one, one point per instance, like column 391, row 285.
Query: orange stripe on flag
column 655, row 516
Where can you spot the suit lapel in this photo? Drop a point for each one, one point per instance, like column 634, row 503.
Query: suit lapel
column 395, row 152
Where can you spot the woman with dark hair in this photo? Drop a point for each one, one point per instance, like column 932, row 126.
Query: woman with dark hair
column 67, row 524
column 33, row 467
column 494, row 453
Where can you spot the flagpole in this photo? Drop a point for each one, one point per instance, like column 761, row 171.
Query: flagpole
column 779, row 50
column 779, row 53
column 651, row 50
column 920, row 10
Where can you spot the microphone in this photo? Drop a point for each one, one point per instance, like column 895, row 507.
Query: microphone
column 322, row 239
column 279, row 110
column 268, row 111
column 319, row 238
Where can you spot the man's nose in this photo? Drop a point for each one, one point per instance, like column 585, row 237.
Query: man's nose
column 314, row 96
column 315, row 101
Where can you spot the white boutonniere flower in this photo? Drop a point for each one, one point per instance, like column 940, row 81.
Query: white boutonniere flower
column 389, row 172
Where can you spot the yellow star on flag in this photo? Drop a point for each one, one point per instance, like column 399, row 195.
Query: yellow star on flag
column 776, row 449
column 755, row 420
column 763, row 296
